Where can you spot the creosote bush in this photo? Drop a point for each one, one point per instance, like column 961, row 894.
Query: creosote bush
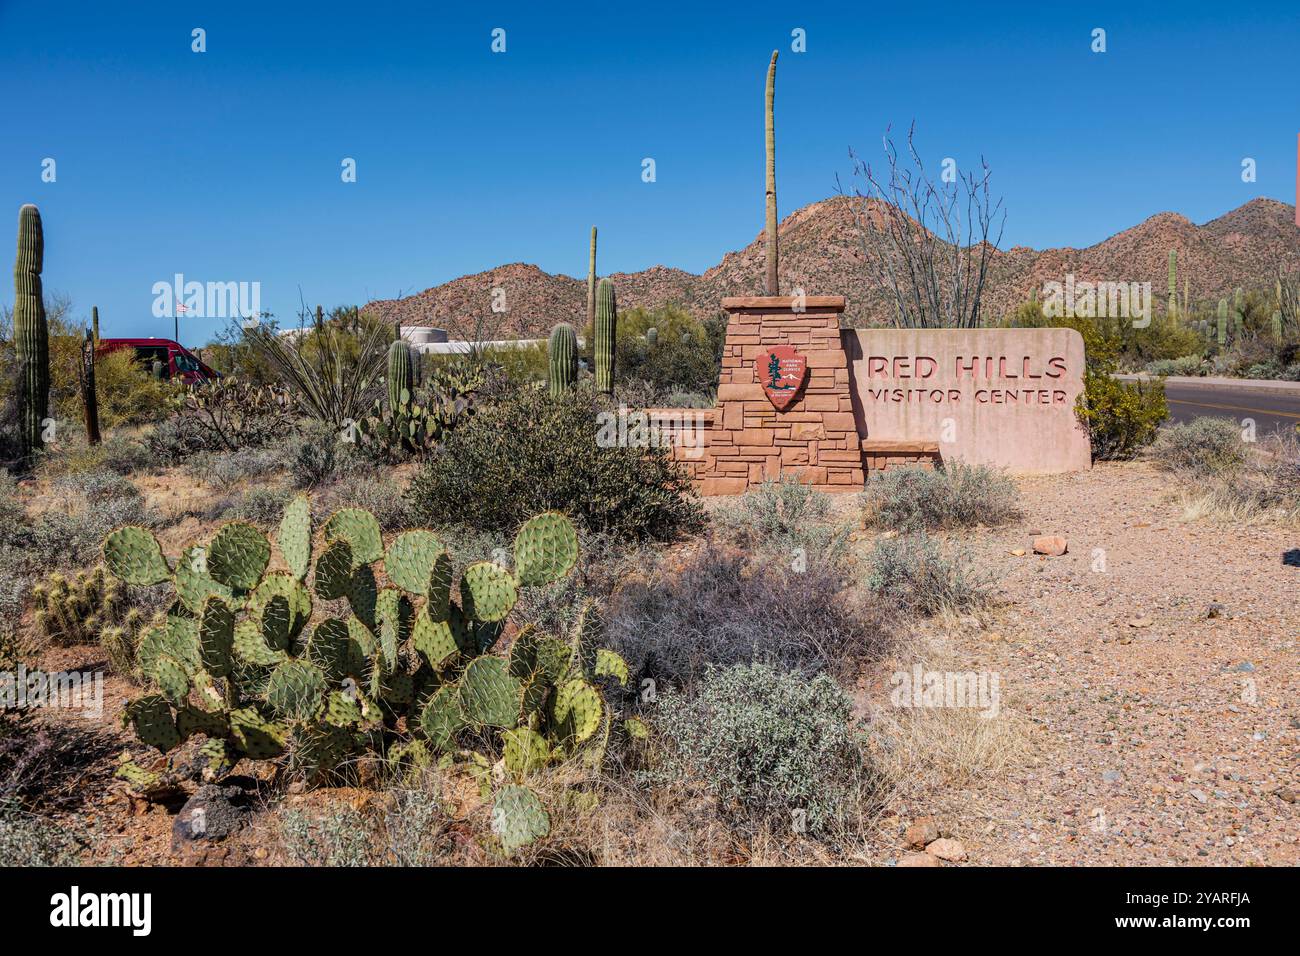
column 530, row 452
column 957, row 495
column 911, row 572
column 773, row 747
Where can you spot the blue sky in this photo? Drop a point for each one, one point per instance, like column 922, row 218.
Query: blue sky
column 225, row 165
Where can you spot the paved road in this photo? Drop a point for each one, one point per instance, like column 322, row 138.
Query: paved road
column 1270, row 410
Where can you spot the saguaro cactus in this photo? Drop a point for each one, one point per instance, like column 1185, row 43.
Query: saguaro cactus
column 772, row 254
column 94, row 324
column 562, row 351
column 31, row 333
column 1172, row 309
column 591, row 281
column 652, row 336
column 1223, row 323
column 401, row 377
column 605, row 329
column 89, row 397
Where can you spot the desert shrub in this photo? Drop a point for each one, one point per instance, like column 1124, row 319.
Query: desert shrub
column 377, row 494
column 957, row 495
column 1265, row 485
column 1207, row 446
column 29, row 839
column 175, row 440
column 341, row 836
column 45, row 765
column 230, row 414
column 767, row 744
column 1122, row 417
column 82, row 508
column 784, row 518
column 1186, row 365
column 530, row 453
column 912, row 573
column 687, row 355
column 225, row 469
column 317, row 454
column 679, row 399
column 410, row 828
column 720, row 609
column 261, row 505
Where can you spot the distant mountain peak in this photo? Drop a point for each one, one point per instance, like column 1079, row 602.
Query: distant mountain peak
column 821, row 253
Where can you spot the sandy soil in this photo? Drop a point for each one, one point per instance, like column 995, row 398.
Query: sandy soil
column 1153, row 733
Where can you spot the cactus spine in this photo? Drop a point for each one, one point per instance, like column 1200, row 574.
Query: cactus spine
column 401, row 377
column 562, row 350
column 770, row 129
column 31, row 333
column 591, row 282
column 605, row 329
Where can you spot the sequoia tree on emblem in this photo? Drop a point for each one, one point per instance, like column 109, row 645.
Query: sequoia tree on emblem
column 781, row 370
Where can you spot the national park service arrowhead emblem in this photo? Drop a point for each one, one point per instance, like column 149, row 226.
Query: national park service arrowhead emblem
column 781, row 370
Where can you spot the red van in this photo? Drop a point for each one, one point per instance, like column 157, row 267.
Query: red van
column 178, row 362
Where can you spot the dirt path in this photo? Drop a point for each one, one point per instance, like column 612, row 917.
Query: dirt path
column 1164, row 735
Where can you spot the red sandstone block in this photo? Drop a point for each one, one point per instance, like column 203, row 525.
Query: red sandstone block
column 828, row 358
column 733, row 414
column 722, row 486
column 795, row 455
column 841, row 376
column 823, row 403
column 807, row 431
column 755, row 436
column 851, row 455
column 839, row 422
column 740, row 392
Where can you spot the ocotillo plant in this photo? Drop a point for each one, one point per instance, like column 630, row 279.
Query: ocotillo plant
column 31, row 333
column 772, row 254
column 606, row 327
column 401, row 379
column 591, row 282
column 562, row 351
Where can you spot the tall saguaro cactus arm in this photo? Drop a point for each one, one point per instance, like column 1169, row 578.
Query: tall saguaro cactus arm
column 605, row 332
column 772, row 255
column 562, row 354
column 591, row 282
column 31, row 334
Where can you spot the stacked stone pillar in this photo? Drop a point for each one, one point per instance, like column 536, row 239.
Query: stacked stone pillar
column 816, row 438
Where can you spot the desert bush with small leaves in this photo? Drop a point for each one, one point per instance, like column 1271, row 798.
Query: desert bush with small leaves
column 957, row 495
column 913, row 573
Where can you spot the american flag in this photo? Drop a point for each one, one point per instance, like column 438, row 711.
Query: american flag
column 181, row 308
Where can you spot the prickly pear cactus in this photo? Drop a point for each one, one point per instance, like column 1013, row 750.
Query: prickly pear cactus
column 327, row 660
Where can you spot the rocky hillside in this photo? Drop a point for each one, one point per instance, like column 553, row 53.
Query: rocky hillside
column 821, row 252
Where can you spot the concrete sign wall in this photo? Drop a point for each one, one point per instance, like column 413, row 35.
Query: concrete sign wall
column 1002, row 397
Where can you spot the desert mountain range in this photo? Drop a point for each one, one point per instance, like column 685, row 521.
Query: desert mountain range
column 821, row 252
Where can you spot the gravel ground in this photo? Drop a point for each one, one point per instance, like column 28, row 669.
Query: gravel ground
column 1163, row 734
